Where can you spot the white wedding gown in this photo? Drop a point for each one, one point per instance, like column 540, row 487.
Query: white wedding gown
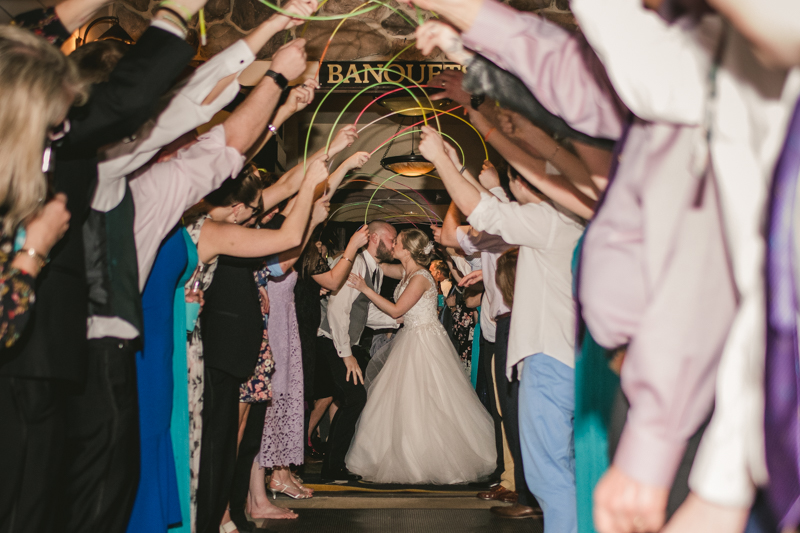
column 423, row 422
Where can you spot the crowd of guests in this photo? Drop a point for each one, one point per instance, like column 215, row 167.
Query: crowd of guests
column 621, row 287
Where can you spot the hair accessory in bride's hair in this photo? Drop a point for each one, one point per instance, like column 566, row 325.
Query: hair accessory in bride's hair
column 429, row 248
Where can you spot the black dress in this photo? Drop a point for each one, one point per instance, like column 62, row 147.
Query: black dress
column 309, row 316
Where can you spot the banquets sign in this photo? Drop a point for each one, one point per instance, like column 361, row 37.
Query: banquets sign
column 360, row 74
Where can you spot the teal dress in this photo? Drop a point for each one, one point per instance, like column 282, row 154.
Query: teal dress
column 179, row 426
column 595, row 387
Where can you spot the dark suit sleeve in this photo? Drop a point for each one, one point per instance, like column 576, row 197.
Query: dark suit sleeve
column 119, row 106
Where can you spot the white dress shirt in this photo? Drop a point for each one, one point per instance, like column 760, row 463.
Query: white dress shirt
column 543, row 318
column 489, row 247
column 195, row 172
column 340, row 303
column 661, row 72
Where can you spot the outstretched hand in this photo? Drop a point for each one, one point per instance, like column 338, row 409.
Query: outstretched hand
column 299, row 97
column 290, row 59
column 316, row 173
column 344, row 138
column 431, row 145
column 357, row 282
column 450, row 83
column 359, row 239
column 489, row 178
column 304, row 8
column 357, row 160
column 473, row 278
column 434, row 34
column 320, row 211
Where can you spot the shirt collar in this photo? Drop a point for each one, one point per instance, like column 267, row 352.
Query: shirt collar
column 372, row 264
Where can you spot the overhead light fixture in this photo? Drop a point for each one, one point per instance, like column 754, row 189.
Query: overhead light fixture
column 404, row 104
column 410, row 165
column 114, row 33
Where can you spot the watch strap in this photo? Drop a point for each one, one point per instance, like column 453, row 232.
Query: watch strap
column 279, row 78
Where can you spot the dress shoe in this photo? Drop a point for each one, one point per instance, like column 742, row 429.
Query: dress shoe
column 516, row 511
column 499, row 493
column 339, row 475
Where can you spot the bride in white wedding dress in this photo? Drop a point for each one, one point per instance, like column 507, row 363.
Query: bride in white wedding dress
column 423, row 422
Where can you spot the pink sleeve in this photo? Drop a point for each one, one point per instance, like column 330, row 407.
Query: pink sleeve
column 559, row 68
column 674, row 312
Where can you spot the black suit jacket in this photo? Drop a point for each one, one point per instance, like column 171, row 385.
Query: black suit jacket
column 232, row 323
column 54, row 343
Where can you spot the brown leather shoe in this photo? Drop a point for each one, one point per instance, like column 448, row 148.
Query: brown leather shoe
column 498, row 493
column 516, row 511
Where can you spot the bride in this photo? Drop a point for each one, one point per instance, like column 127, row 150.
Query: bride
column 423, row 422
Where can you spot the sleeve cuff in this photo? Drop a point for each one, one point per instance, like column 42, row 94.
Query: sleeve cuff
column 481, row 211
column 274, row 266
column 647, row 458
column 232, row 60
column 464, row 241
column 166, row 26
column 500, row 194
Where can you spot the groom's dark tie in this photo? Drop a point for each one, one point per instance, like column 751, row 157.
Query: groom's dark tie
column 781, row 385
column 375, row 279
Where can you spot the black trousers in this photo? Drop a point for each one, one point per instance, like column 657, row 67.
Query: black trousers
column 32, row 426
column 352, row 399
column 485, row 360
column 218, row 447
column 248, row 449
column 102, row 441
column 508, row 398
column 680, row 486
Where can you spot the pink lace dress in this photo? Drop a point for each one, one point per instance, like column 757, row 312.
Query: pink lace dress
column 282, row 441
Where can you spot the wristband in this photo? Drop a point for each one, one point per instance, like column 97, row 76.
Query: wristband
column 181, row 11
column 174, row 18
column 488, row 134
column 279, row 78
column 39, row 258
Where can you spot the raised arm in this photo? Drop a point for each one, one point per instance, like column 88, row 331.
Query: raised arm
column 533, row 169
column 465, row 196
column 335, row 277
column 249, row 119
column 416, row 288
column 446, row 234
column 357, row 160
column 319, row 213
column 219, row 238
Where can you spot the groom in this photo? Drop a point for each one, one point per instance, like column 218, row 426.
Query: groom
column 349, row 312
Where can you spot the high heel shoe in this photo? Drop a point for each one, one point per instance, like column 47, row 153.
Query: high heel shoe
column 285, row 490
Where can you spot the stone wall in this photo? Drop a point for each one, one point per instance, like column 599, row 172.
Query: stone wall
column 377, row 34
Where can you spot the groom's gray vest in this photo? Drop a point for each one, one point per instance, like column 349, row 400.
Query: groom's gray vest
column 358, row 313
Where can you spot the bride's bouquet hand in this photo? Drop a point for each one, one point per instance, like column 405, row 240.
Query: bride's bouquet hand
column 357, row 282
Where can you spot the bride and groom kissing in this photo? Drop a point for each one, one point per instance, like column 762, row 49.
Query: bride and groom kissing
column 420, row 422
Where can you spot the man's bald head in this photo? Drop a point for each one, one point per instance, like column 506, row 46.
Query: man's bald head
column 381, row 240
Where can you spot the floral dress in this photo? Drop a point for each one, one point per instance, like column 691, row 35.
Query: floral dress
column 464, row 330
column 16, row 296
column 194, row 360
column 259, row 387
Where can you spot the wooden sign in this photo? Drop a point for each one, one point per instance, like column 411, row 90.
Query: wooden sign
column 360, row 74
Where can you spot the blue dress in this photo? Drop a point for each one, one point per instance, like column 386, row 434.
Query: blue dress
column 157, row 503
column 180, row 394
column 595, row 387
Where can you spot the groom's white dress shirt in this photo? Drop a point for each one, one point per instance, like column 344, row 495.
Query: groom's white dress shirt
column 340, row 303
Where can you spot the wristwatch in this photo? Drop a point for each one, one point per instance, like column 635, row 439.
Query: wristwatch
column 476, row 100
column 279, row 78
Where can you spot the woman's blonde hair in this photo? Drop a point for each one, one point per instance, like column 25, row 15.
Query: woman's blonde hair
column 37, row 87
column 418, row 245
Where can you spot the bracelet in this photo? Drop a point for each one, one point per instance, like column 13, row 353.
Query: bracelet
column 39, row 258
column 347, row 259
column 555, row 152
column 272, row 128
column 181, row 11
column 174, row 18
column 488, row 134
